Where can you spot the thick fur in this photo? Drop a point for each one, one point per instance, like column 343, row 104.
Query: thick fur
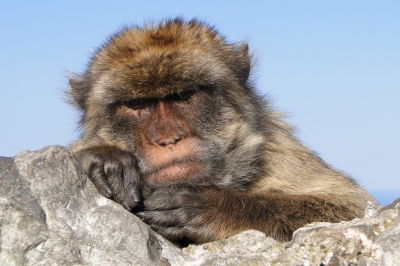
column 252, row 172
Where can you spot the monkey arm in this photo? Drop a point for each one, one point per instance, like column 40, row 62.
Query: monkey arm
column 113, row 172
column 214, row 213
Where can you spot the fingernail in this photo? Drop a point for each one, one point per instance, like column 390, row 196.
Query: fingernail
column 108, row 191
column 155, row 227
column 125, row 205
column 136, row 197
column 140, row 215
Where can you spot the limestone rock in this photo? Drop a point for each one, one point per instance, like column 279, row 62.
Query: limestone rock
column 370, row 241
column 51, row 214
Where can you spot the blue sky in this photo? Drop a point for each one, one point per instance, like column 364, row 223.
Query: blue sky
column 332, row 66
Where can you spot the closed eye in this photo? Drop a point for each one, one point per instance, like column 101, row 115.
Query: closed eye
column 142, row 103
column 137, row 104
column 183, row 95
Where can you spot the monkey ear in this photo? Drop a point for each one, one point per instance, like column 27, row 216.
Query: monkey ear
column 79, row 90
column 240, row 61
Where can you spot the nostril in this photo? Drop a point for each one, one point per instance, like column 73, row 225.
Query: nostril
column 165, row 142
column 163, row 139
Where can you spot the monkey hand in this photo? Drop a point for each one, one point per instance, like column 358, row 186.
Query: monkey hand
column 211, row 214
column 198, row 216
column 114, row 173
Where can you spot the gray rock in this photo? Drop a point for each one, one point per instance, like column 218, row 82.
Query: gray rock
column 51, row 214
column 370, row 241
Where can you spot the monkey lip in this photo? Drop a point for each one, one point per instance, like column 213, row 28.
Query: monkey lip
column 175, row 171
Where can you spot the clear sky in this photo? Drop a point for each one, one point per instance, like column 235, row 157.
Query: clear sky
column 332, row 66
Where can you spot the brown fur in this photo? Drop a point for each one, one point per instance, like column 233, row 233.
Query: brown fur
column 169, row 116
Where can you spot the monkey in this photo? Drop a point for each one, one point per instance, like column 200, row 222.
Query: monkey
column 174, row 130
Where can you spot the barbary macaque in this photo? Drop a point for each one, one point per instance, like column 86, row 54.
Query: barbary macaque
column 173, row 130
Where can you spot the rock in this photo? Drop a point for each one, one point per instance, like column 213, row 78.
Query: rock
column 370, row 241
column 51, row 214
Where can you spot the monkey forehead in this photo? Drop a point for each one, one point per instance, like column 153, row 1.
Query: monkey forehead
column 152, row 75
column 174, row 33
column 157, row 61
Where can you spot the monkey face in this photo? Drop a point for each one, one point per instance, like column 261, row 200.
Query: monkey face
column 169, row 149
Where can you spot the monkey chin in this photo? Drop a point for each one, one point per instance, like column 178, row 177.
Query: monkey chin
column 175, row 172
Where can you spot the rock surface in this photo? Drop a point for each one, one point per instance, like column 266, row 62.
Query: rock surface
column 51, row 214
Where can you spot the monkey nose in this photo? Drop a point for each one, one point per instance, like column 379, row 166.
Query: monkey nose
column 168, row 141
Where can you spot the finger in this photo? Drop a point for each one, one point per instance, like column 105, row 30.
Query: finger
column 113, row 170
column 163, row 218
column 132, row 185
column 193, row 234
column 98, row 177
column 174, row 217
column 125, row 205
column 164, row 200
column 172, row 233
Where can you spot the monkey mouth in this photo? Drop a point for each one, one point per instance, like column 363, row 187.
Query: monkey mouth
column 177, row 170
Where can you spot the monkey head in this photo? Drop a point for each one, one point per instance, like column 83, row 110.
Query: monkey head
column 168, row 95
